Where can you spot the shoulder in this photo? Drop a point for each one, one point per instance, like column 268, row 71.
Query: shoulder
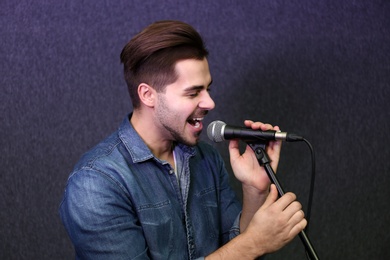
column 104, row 164
column 102, row 153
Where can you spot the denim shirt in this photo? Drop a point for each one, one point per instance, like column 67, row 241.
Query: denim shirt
column 121, row 202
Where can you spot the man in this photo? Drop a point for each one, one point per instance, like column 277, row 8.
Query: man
column 152, row 190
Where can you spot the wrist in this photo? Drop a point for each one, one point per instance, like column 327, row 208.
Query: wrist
column 253, row 191
column 241, row 247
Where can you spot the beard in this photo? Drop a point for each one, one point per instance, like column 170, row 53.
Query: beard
column 180, row 138
column 175, row 125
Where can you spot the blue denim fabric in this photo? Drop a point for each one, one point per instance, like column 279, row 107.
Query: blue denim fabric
column 121, row 202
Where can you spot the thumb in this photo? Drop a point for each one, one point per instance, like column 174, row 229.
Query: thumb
column 272, row 196
column 234, row 149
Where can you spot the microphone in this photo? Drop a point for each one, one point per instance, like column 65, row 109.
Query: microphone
column 218, row 131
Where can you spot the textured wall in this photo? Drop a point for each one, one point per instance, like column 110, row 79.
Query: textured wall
column 317, row 68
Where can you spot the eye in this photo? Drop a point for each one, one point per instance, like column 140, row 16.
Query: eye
column 194, row 93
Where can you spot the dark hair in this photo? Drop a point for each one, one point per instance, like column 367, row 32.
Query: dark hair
column 150, row 57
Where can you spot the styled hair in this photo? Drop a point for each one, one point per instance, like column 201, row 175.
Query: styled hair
column 150, row 57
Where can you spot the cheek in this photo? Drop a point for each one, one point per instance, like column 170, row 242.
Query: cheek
column 184, row 109
column 177, row 107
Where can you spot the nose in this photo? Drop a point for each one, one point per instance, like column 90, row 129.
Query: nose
column 207, row 102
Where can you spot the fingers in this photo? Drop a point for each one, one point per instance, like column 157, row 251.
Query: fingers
column 297, row 217
column 292, row 211
column 285, row 201
column 289, row 207
column 298, row 227
column 273, row 147
column 260, row 125
column 272, row 196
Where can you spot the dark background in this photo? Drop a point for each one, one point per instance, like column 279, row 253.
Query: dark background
column 317, row 68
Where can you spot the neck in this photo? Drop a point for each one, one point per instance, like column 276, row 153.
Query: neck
column 146, row 129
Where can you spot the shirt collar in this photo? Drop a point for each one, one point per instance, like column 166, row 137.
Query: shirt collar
column 136, row 147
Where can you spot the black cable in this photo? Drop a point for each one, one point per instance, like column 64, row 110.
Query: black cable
column 311, row 190
column 312, row 181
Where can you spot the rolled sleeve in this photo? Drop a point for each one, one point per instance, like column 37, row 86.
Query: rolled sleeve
column 235, row 230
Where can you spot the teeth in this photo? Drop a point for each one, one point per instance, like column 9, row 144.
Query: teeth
column 196, row 121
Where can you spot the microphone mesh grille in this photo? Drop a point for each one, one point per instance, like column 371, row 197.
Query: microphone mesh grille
column 214, row 131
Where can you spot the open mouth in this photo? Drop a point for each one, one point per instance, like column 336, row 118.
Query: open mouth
column 195, row 122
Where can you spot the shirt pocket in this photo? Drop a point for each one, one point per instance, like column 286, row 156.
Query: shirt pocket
column 157, row 224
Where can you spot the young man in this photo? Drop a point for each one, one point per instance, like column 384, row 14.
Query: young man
column 152, row 190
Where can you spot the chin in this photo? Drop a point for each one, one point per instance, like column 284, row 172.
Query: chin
column 192, row 142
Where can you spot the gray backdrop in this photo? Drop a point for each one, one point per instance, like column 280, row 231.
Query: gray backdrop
column 317, row 68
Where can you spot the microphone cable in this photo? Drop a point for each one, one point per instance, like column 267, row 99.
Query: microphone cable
column 312, row 181
column 311, row 192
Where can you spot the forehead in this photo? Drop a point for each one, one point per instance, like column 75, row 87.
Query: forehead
column 192, row 72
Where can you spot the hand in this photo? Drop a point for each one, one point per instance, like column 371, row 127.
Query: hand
column 246, row 167
column 277, row 222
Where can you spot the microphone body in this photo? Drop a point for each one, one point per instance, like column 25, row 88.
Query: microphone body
column 218, row 131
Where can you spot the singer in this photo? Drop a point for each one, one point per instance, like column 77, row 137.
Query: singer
column 153, row 190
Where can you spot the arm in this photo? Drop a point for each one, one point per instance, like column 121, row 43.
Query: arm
column 99, row 218
column 267, row 223
column 254, row 179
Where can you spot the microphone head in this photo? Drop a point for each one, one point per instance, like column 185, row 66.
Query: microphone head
column 215, row 131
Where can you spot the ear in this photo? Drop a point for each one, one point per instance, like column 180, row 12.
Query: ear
column 147, row 94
